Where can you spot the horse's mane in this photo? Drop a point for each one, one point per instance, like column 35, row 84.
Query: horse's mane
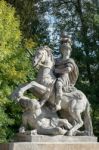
column 49, row 51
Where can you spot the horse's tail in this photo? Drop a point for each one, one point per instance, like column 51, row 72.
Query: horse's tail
column 87, row 120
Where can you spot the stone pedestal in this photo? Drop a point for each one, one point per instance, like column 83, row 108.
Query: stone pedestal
column 42, row 142
column 59, row 138
column 50, row 146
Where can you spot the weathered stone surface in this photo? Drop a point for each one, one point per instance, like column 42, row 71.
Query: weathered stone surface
column 52, row 146
column 4, row 146
column 52, row 139
column 59, row 91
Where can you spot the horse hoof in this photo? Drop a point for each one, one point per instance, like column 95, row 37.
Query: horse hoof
column 69, row 133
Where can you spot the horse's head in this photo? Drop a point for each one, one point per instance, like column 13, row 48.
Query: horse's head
column 41, row 56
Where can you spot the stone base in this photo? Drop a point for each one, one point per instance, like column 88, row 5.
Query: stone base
column 50, row 146
column 59, row 142
column 59, row 138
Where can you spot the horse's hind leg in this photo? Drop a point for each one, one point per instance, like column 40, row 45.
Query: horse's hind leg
column 88, row 121
column 79, row 122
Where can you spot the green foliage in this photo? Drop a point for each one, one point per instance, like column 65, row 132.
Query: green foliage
column 10, row 35
column 15, row 68
column 32, row 20
column 4, row 122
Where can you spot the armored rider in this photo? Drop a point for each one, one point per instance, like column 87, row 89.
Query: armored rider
column 67, row 70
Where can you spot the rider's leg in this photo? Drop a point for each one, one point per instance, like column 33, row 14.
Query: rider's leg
column 59, row 94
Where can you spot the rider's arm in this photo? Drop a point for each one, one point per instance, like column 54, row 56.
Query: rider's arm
column 67, row 69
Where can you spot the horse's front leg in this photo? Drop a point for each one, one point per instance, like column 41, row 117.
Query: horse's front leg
column 38, row 87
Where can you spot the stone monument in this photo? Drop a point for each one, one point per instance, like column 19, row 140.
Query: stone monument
column 55, row 115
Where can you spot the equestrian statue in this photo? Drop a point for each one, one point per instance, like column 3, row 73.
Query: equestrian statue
column 59, row 105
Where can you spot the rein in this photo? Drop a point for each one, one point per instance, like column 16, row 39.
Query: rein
column 44, row 65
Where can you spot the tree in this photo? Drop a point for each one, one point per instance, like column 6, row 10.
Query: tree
column 14, row 68
column 32, row 21
column 80, row 19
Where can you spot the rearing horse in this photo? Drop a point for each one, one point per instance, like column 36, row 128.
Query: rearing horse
column 44, row 61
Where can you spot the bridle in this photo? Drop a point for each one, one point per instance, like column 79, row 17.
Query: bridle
column 40, row 64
